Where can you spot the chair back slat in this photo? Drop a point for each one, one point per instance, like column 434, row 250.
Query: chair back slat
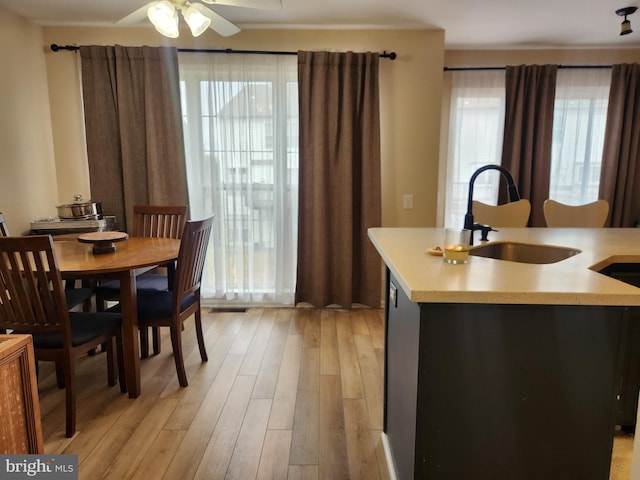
column 25, row 285
column 163, row 221
column 31, row 292
column 191, row 257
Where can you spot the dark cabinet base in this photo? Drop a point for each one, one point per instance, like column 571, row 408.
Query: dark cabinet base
column 627, row 408
column 501, row 391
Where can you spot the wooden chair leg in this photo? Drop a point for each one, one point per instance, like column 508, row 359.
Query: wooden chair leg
column 200, row 336
column 60, row 373
column 70, row 397
column 121, row 373
column 176, row 343
column 101, row 303
column 88, row 303
column 144, row 341
column 155, row 331
column 111, row 363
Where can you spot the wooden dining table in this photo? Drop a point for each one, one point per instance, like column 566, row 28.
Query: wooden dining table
column 131, row 257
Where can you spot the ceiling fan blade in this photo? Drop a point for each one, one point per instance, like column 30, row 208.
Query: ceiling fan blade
column 219, row 24
column 136, row 16
column 258, row 4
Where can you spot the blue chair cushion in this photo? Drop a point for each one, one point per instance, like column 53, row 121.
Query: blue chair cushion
column 153, row 304
column 76, row 296
column 85, row 327
column 146, row 281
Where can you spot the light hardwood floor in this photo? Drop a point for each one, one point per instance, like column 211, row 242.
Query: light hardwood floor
column 621, row 456
column 286, row 394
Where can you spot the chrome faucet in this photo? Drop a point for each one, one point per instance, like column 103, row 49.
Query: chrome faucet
column 469, row 224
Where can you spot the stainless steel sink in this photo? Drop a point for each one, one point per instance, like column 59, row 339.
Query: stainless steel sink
column 523, row 252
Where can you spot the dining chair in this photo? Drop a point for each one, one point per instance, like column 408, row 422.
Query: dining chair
column 32, row 301
column 170, row 308
column 161, row 221
column 75, row 296
column 592, row 214
column 512, row 214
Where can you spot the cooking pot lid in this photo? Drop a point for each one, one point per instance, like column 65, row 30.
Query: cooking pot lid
column 77, row 201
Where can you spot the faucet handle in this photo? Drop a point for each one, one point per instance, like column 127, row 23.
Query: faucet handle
column 484, row 232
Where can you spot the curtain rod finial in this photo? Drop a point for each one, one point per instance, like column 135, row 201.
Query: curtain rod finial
column 56, row 48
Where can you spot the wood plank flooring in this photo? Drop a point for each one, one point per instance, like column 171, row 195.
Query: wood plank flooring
column 621, row 456
column 289, row 393
column 286, row 394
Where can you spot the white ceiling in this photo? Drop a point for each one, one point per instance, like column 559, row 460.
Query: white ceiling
column 467, row 23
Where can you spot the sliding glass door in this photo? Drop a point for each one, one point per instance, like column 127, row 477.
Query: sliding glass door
column 240, row 117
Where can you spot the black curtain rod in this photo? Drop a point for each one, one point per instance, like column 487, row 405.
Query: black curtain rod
column 57, row 48
column 458, row 69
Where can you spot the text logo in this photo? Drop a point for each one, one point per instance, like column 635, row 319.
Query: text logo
column 25, row 467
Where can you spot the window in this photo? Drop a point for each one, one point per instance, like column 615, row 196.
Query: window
column 579, row 120
column 240, row 115
column 476, row 127
column 475, row 139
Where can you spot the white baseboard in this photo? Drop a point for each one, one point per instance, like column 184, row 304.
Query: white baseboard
column 387, row 454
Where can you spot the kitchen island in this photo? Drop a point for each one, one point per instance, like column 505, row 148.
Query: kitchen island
column 504, row 370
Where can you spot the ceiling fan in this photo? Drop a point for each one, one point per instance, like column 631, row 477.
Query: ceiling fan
column 164, row 15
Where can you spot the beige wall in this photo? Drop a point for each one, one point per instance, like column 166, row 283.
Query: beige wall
column 28, row 189
column 42, row 119
column 410, row 100
column 489, row 58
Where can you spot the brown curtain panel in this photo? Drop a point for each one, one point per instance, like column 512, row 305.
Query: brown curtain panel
column 133, row 128
column 620, row 175
column 528, row 128
column 339, row 192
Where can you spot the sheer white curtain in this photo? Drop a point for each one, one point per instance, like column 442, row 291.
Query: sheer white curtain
column 476, row 123
column 240, row 116
column 580, row 113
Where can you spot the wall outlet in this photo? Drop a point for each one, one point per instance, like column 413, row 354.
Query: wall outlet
column 407, row 201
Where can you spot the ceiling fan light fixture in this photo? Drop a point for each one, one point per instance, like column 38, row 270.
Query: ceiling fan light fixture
column 164, row 17
column 198, row 23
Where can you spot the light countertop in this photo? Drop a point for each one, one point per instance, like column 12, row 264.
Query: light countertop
column 574, row 281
